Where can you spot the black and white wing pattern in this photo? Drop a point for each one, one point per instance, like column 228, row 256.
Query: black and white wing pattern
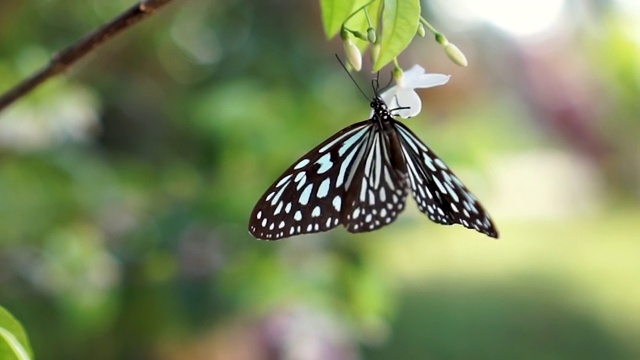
column 360, row 178
column 378, row 191
column 437, row 190
column 310, row 196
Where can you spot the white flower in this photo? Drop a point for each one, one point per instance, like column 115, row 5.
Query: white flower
column 403, row 94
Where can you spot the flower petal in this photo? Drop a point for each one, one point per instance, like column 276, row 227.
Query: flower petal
column 426, row 81
column 406, row 99
column 403, row 94
column 389, row 97
column 415, row 71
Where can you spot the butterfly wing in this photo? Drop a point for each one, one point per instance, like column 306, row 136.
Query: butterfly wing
column 310, row 195
column 438, row 192
column 378, row 192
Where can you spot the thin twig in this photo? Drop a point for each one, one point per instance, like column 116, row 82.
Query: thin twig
column 63, row 60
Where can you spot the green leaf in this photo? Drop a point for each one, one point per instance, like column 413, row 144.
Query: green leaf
column 334, row 13
column 400, row 20
column 14, row 343
column 359, row 20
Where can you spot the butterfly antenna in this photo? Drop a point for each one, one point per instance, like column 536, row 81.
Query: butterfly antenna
column 375, row 84
column 352, row 79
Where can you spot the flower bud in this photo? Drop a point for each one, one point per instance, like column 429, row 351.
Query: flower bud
column 455, row 54
column 351, row 51
column 371, row 35
column 398, row 75
column 421, row 32
column 441, row 39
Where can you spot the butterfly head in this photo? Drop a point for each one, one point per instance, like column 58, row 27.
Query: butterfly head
column 379, row 107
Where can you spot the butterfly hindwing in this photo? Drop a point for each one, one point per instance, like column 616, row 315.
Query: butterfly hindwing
column 437, row 190
column 378, row 192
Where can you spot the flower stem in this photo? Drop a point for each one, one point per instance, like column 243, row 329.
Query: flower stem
column 358, row 10
column 428, row 26
column 366, row 14
column 439, row 37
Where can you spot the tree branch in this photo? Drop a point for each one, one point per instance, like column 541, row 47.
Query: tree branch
column 64, row 59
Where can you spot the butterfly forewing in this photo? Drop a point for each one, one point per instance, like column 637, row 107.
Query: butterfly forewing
column 438, row 191
column 309, row 196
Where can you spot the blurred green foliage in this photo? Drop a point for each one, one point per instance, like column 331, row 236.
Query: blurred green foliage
column 14, row 343
column 126, row 185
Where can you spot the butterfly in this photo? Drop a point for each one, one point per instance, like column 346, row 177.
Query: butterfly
column 360, row 177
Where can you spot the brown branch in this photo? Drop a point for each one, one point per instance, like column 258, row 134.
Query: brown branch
column 67, row 57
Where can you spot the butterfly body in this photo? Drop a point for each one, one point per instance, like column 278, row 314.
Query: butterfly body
column 360, row 177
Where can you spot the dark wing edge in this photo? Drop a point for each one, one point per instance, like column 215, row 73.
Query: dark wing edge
column 438, row 191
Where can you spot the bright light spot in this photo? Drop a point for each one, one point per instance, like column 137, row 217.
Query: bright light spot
column 630, row 10
column 520, row 18
column 632, row 6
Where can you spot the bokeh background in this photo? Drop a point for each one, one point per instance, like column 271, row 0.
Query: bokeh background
column 126, row 186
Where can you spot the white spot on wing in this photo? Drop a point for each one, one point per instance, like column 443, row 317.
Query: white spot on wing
column 270, row 196
column 337, row 202
column 301, row 164
column 439, row 184
column 440, row 164
column 306, row 194
column 300, row 179
column 429, row 162
column 325, row 163
column 363, row 192
column 451, row 192
column 278, row 208
column 278, row 194
column 347, row 144
column 283, row 180
column 323, row 190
